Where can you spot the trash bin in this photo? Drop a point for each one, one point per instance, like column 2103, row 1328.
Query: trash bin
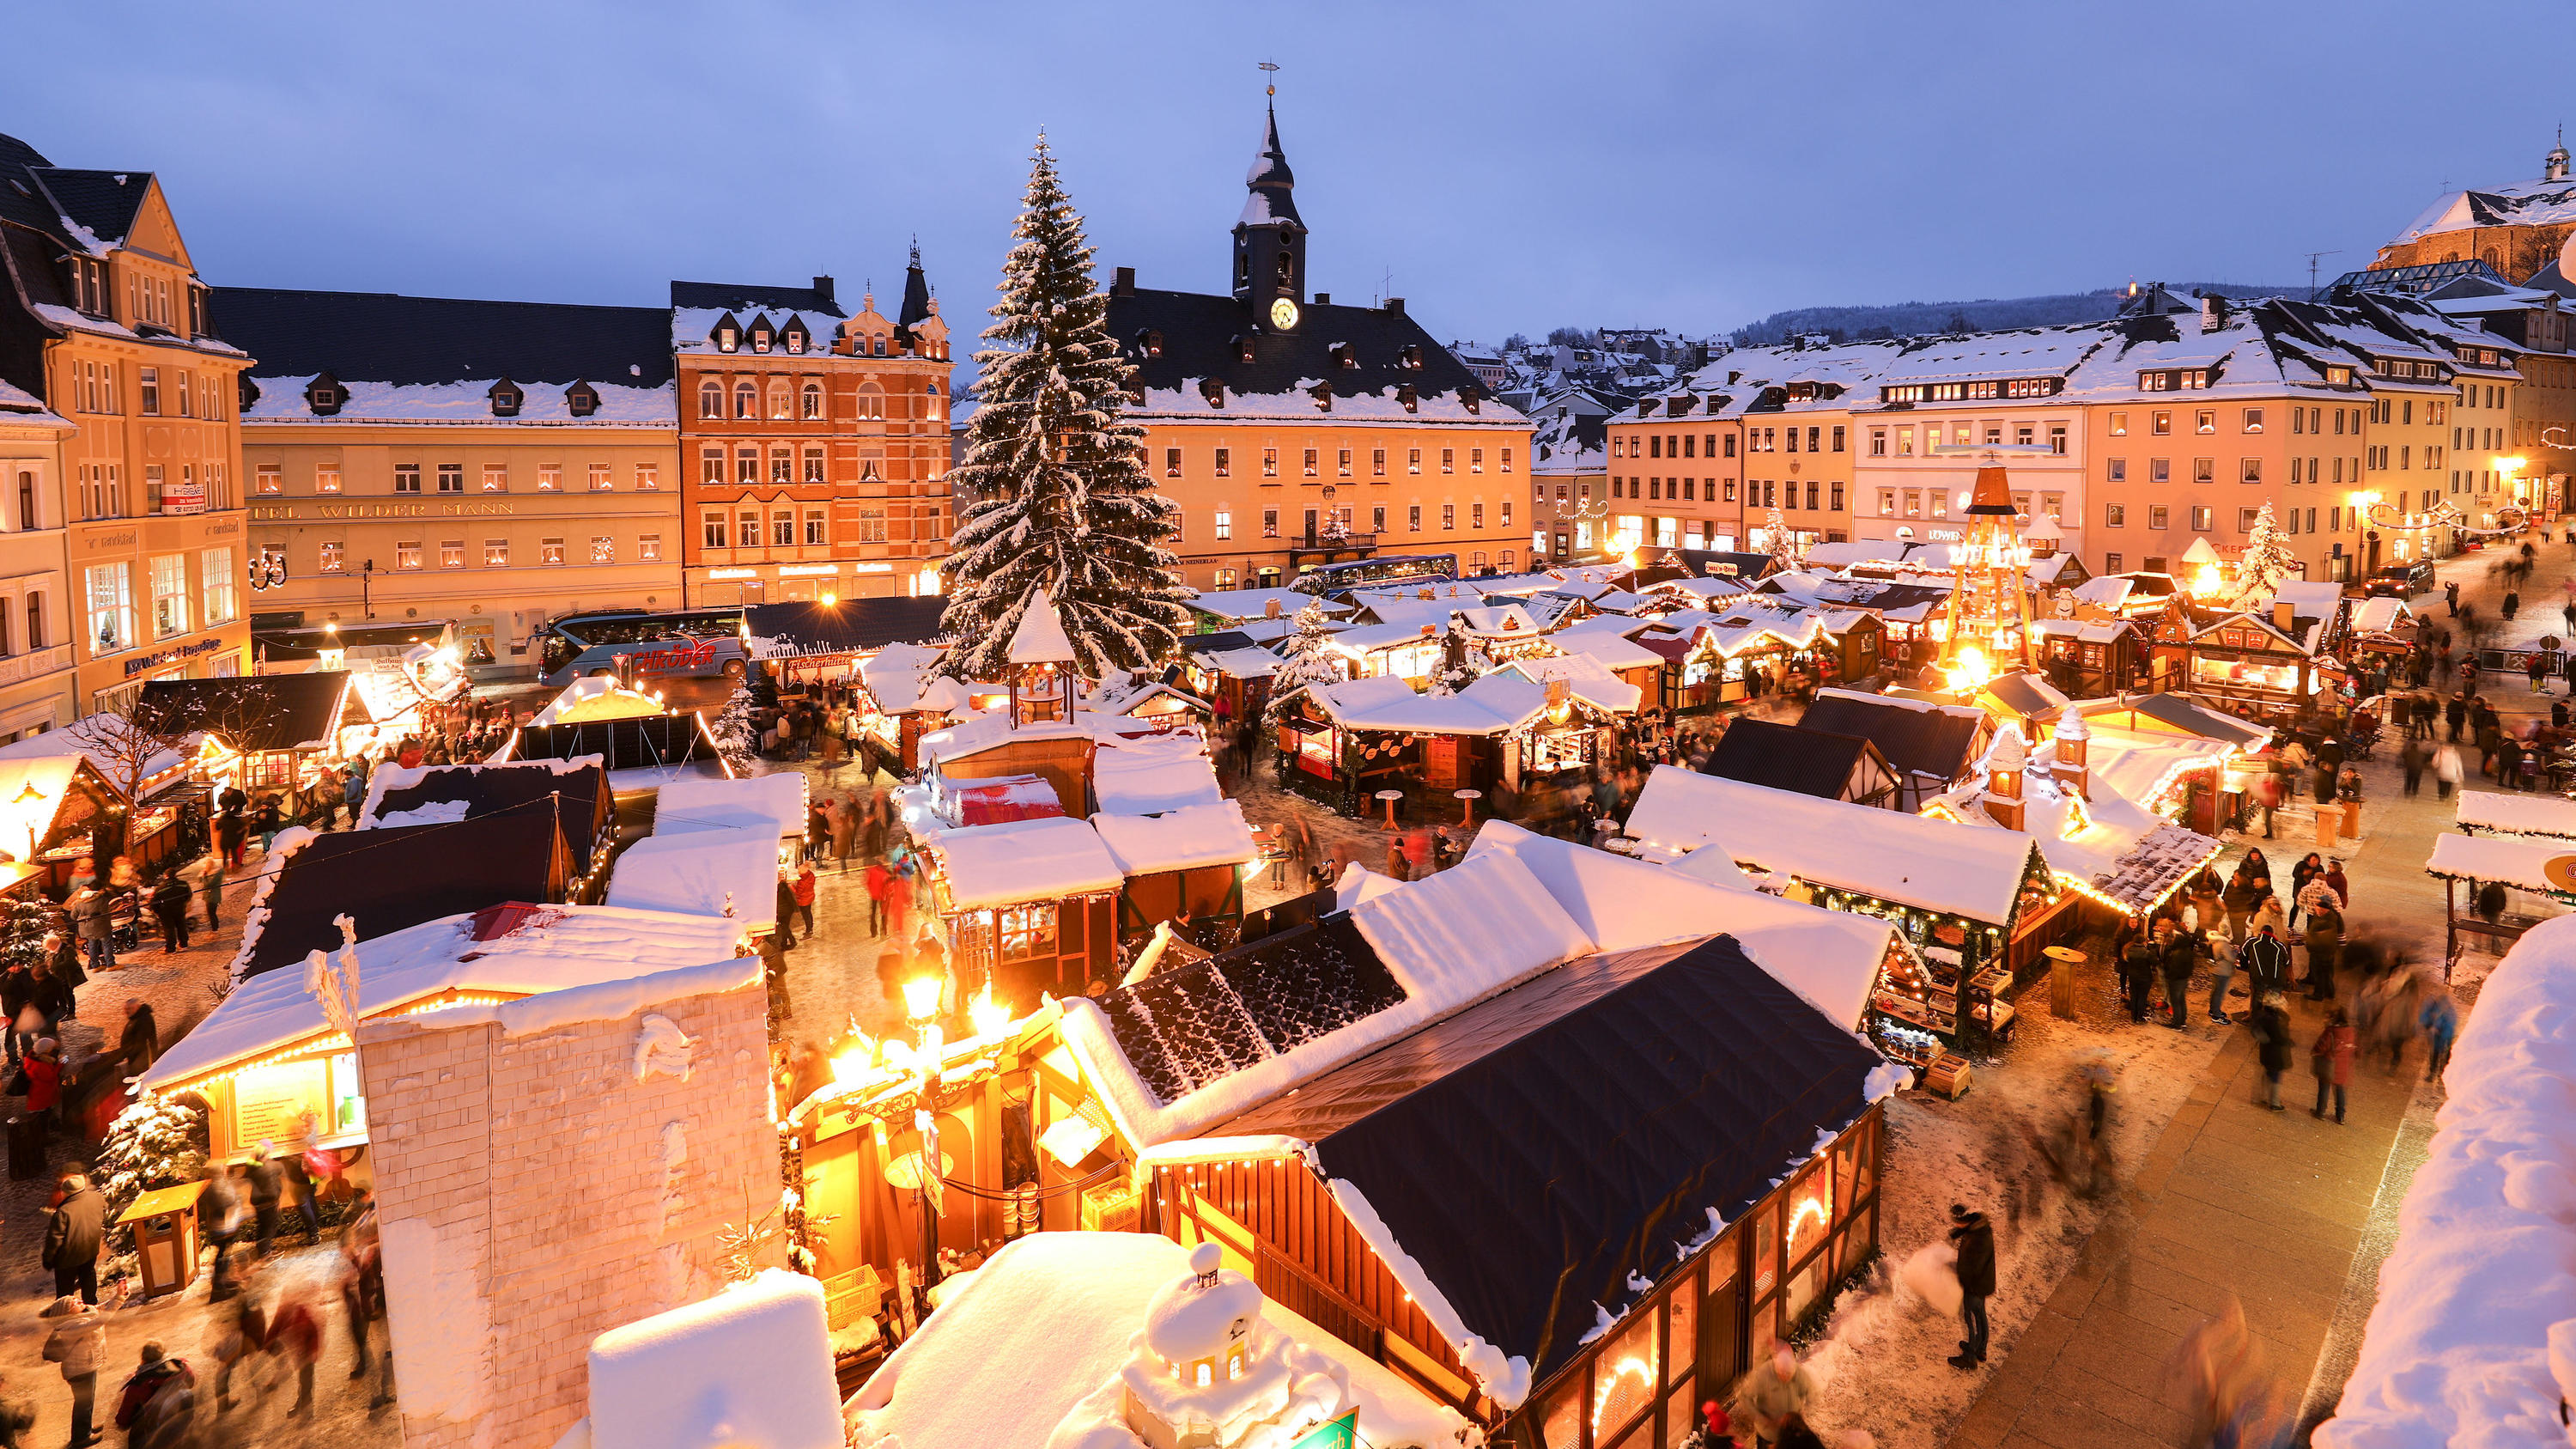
column 26, row 1147
column 165, row 1236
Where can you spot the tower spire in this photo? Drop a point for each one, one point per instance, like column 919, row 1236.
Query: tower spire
column 1269, row 237
column 916, row 290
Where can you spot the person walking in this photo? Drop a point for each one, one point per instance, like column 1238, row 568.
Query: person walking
column 266, row 1185
column 2325, row 950
column 138, row 1041
column 73, row 1239
column 2440, row 1020
column 231, row 832
column 2331, row 1060
column 219, row 1218
column 802, row 890
column 1772, row 1393
column 2222, row 971
column 2270, row 1026
column 158, row 1405
column 2412, row 759
column 2138, row 975
column 1974, row 1238
column 44, row 1073
column 2176, row 951
column 89, row 910
column 2448, row 771
column 170, row 908
column 79, row 1344
column 2455, row 714
column 845, row 829
column 295, row 1337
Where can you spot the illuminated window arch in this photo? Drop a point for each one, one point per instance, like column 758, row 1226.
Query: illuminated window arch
column 711, row 399
column 777, row 401
column 813, row 399
column 746, row 400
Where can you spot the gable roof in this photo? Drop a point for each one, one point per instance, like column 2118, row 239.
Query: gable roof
column 253, row 712
column 1917, row 737
column 748, row 298
column 1789, row 757
column 653, row 741
column 388, row 879
column 1533, row 1152
column 389, row 338
column 1199, row 335
column 578, row 788
column 848, row 626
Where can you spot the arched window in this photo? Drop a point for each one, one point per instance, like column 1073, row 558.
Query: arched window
column 745, row 400
column 871, row 401
column 777, row 400
column 881, row 341
column 813, row 399
column 1287, row 269
column 935, row 406
column 711, row 399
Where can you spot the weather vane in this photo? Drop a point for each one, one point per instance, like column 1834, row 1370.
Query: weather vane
column 1273, row 87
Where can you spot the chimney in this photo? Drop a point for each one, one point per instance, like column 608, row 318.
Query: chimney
column 1323, row 299
column 1122, row 282
column 2285, row 617
column 824, row 286
column 2213, row 312
column 2004, row 766
column 1394, row 306
column 2074, row 772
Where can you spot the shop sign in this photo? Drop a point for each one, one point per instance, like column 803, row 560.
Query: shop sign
column 161, row 657
column 1337, row 1433
column 185, row 496
column 270, row 1103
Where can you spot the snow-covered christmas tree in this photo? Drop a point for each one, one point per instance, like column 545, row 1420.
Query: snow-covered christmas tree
column 157, row 1142
column 22, row 934
column 735, row 737
column 2266, row 562
column 1053, row 492
column 1784, row 549
column 1305, row 661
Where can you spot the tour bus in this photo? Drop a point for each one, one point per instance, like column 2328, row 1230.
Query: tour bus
column 1390, row 571
column 689, row 642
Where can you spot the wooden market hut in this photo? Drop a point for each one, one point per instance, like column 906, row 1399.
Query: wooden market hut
column 1808, row 761
column 580, row 786
column 640, row 755
column 1532, row 720
column 899, row 701
column 1464, row 1154
column 391, row 877
column 1029, row 906
column 1979, row 904
column 2089, row 658
column 814, row 639
column 263, row 731
column 2538, row 869
column 1228, row 667
column 1931, row 746
column 2259, row 664
column 2479, row 812
column 54, row 809
column 1184, row 864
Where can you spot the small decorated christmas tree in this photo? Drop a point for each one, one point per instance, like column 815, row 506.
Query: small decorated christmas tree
column 157, row 1142
column 1053, row 495
column 1306, row 661
column 1783, row 548
column 2266, row 562
column 22, row 934
column 736, row 739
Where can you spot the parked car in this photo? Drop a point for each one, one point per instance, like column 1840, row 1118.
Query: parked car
column 2401, row 581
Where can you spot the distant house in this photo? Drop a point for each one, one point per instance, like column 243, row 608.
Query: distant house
column 1814, row 762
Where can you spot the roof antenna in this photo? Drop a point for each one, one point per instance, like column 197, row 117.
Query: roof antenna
column 2312, row 271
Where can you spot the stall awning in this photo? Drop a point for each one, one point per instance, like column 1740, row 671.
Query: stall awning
column 1024, row 860
column 845, row 626
column 2479, row 810
column 2522, row 864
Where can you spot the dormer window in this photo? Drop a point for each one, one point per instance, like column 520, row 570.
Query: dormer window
column 1213, row 391
column 1345, row 355
column 1412, row 401
column 581, row 399
column 761, row 335
column 1322, row 393
column 1243, row 346
column 325, row 395
column 795, row 336
column 1149, row 342
column 2339, row 376
column 1411, row 357
column 1473, row 400
column 881, row 342
column 506, row 399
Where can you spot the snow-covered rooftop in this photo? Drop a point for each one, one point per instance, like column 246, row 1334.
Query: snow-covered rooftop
column 1185, row 839
column 543, row 404
column 702, row 873
column 1024, row 860
column 750, row 1368
column 2486, row 810
column 775, row 803
column 1040, row 638
column 555, row 948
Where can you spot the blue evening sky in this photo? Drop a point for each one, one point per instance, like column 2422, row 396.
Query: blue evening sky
column 1512, row 166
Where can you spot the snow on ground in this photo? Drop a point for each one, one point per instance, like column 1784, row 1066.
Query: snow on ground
column 2479, row 1291
column 1880, row 1362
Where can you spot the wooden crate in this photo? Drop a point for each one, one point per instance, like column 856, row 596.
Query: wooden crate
column 1948, row 1075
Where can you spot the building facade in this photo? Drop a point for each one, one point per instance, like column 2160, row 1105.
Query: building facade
column 106, row 321
column 2518, row 228
column 35, row 682
column 490, row 463
column 816, row 442
column 1294, row 432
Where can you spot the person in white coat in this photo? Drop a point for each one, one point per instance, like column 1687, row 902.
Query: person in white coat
column 79, row 1344
column 2447, row 771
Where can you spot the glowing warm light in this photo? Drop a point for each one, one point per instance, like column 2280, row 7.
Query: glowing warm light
column 1642, row 1371
column 1970, row 669
column 831, row 598
column 988, row 1016
column 921, row 997
column 1808, row 1207
column 2205, row 583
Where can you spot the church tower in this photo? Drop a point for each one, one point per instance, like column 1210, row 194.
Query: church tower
column 1270, row 239
column 2554, row 166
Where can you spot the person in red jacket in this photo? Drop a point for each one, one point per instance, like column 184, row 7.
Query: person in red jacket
column 803, row 893
column 2331, row 1059
column 295, row 1333
column 44, row 1083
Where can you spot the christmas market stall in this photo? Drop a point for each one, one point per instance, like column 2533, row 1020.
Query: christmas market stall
column 822, row 638
column 640, row 755
column 274, row 1072
column 1978, row 904
column 389, row 877
column 2480, row 812
column 54, row 809
column 774, row 804
column 2085, row 658
column 1024, row 907
column 256, row 732
column 1931, row 745
column 728, row 872
column 1229, row 669
column 2492, row 868
column 901, row 701
column 2260, row 664
column 1185, row 866
column 1531, row 720
column 597, row 697
column 432, row 794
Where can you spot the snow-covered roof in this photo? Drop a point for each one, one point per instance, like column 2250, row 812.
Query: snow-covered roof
column 1040, row 637
column 699, row 872
column 1606, row 643
column 465, row 403
column 2507, row 860
column 21, row 408
column 1185, row 839
column 590, row 697
column 2379, row 615
column 2540, row 202
column 2471, row 1342
column 1244, row 663
column 1448, row 941
column 775, row 803
column 107, row 740
column 1153, row 773
column 2108, row 842
column 553, row 948
column 1832, row 958
column 1023, row 860
column 899, row 674
column 2478, row 810
column 750, row 1368
column 1936, row 864
column 1235, row 605
column 1026, row 1354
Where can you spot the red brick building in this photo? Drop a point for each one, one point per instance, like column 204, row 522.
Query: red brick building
column 813, row 442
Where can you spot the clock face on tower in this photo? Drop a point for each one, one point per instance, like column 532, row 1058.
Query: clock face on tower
column 1283, row 314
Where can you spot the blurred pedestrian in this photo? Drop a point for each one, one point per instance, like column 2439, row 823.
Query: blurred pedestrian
column 79, row 1344
column 2270, row 1027
column 158, row 1405
column 1974, row 1238
column 73, row 1238
column 2331, row 1060
column 2440, row 1020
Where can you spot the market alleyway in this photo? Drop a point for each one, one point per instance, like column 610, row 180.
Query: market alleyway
column 2280, row 1211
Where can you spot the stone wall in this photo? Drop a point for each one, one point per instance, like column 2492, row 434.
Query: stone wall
column 553, row 1168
